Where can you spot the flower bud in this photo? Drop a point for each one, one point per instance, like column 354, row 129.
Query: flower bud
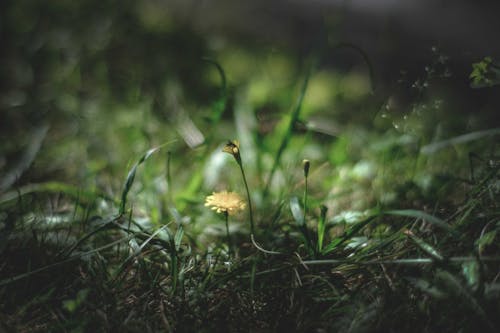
column 306, row 164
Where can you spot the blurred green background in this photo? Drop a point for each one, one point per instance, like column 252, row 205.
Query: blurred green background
column 394, row 103
column 86, row 87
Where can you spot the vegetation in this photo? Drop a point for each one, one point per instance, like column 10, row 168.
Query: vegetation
column 237, row 192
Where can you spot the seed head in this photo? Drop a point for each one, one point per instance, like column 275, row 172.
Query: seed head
column 306, row 164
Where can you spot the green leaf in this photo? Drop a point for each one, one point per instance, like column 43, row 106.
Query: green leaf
column 348, row 234
column 461, row 139
column 72, row 305
column 357, row 242
column 27, row 158
column 418, row 214
column 294, row 117
column 219, row 105
column 486, row 240
column 298, row 215
column 485, row 73
column 297, row 212
column 131, row 176
column 471, row 270
column 53, row 187
column 351, row 217
column 178, row 238
column 426, row 247
column 321, row 227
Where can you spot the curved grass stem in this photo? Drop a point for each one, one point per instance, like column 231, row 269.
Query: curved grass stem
column 260, row 248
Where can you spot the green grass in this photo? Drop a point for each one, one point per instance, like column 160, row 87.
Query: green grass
column 385, row 230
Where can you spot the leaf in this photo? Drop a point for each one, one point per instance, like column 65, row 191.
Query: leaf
column 486, row 240
column 153, row 235
column 53, row 187
column 165, row 235
column 418, row 214
column 72, row 305
column 321, row 227
column 471, row 270
column 297, row 213
column 350, row 217
column 485, row 73
column 294, row 117
column 219, row 105
column 178, row 238
column 131, row 176
column 175, row 214
column 27, row 158
column 348, row 234
column 426, row 247
column 357, row 242
column 472, row 136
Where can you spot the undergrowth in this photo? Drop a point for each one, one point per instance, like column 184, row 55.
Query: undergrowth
column 369, row 231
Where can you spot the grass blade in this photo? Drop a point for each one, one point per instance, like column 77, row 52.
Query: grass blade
column 53, row 187
column 220, row 104
column 321, row 227
column 26, row 159
column 297, row 213
column 418, row 214
column 178, row 238
column 436, row 146
column 131, row 176
column 426, row 247
column 348, row 234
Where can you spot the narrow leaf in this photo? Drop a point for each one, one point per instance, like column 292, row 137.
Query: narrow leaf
column 418, row 214
column 297, row 213
column 131, row 176
column 436, row 146
column 321, row 227
column 178, row 238
column 348, row 234
column 53, row 187
column 471, row 270
column 426, row 247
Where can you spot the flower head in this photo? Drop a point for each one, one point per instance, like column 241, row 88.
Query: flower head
column 225, row 202
column 233, row 148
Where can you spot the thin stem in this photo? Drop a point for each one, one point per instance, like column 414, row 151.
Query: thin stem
column 226, row 215
column 248, row 197
column 305, row 199
column 306, row 230
column 169, row 177
column 174, row 272
column 306, row 165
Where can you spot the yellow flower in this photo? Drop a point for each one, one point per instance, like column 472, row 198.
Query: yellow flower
column 225, row 201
